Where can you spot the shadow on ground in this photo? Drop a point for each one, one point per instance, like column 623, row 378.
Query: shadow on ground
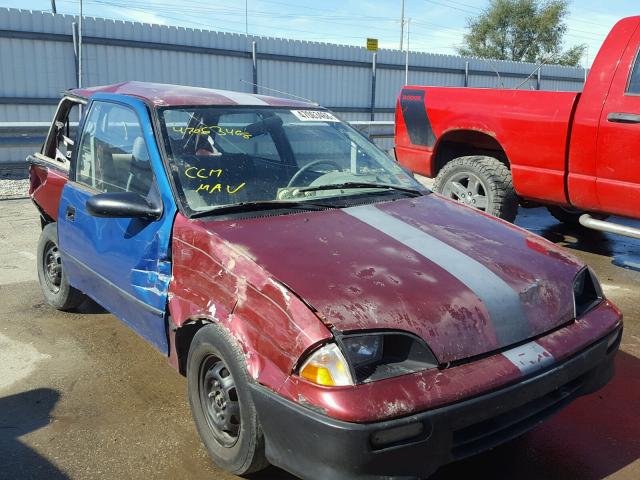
column 21, row 414
column 623, row 251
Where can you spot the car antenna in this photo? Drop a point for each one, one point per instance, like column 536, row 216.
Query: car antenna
column 544, row 61
column 497, row 73
column 279, row 91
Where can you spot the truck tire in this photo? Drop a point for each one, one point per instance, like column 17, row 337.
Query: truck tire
column 221, row 402
column 564, row 215
column 480, row 182
column 53, row 281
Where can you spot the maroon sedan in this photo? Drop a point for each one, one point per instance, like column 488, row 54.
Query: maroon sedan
column 333, row 317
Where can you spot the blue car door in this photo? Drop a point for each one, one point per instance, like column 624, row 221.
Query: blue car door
column 122, row 263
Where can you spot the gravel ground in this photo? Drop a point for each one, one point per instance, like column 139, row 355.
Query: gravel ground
column 14, row 188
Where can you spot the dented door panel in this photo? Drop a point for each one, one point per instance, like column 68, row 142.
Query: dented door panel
column 123, row 263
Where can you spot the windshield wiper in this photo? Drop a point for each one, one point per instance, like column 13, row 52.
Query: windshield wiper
column 337, row 186
column 262, row 205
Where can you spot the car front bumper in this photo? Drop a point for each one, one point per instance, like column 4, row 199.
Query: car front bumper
column 315, row 446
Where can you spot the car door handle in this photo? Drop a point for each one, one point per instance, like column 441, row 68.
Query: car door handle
column 617, row 117
column 70, row 213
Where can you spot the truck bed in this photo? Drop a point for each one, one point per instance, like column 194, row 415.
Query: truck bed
column 533, row 127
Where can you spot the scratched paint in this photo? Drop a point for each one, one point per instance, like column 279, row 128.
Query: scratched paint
column 273, row 326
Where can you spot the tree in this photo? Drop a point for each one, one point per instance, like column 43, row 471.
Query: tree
column 522, row 30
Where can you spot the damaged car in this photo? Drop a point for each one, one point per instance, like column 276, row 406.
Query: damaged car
column 332, row 316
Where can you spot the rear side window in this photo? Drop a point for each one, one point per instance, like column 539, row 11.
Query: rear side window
column 112, row 154
column 634, row 81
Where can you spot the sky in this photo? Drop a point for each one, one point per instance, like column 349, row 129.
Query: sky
column 436, row 26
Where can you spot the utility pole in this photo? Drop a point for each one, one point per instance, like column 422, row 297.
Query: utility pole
column 53, row 7
column 401, row 25
column 246, row 18
column 80, row 47
column 406, row 58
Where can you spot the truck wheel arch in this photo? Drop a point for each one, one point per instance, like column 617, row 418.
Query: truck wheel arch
column 463, row 143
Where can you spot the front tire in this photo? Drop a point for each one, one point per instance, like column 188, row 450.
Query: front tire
column 480, row 182
column 221, row 402
column 53, row 281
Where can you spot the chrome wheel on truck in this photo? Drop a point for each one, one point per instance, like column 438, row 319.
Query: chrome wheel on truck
column 467, row 188
column 479, row 182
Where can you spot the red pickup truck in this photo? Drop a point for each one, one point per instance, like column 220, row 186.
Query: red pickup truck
column 496, row 149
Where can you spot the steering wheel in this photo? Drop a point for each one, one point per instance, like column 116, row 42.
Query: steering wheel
column 299, row 173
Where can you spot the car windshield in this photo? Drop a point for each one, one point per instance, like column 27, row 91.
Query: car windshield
column 221, row 156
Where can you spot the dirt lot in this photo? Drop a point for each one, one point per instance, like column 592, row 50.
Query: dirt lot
column 82, row 397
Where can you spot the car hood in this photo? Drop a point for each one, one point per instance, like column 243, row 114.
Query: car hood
column 465, row 282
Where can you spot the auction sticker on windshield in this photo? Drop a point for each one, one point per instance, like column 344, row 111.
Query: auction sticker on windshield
column 314, row 116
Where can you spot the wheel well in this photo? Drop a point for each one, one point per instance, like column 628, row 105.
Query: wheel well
column 462, row 143
column 45, row 219
column 183, row 338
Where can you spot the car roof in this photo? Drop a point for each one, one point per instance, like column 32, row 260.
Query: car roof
column 162, row 94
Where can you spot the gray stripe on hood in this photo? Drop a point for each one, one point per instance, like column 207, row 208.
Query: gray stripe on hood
column 501, row 300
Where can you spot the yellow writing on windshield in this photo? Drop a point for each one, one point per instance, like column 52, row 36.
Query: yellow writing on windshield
column 211, row 175
column 218, row 187
column 216, row 129
column 194, row 172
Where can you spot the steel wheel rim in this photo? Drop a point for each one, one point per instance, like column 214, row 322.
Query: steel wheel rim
column 468, row 189
column 52, row 267
column 219, row 401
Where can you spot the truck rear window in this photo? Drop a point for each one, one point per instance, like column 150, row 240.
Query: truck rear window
column 634, row 80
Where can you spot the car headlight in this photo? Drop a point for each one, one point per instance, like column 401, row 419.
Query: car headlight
column 362, row 358
column 327, row 366
column 587, row 292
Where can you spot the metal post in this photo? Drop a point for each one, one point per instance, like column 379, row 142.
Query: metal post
column 80, row 47
column 539, row 79
column 466, row 74
column 74, row 37
column 54, row 10
column 401, row 25
column 254, row 59
column 246, row 17
column 373, row 86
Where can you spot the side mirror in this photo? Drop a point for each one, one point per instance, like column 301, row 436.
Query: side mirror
column 122, row 205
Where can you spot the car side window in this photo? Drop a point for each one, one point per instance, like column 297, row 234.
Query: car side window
column 112, row 154
column 634, row 80
column 59, row 144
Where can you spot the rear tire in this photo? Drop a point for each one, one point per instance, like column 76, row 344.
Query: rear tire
column 221, row 402
column 53, row 281
column 480, row 182
column 564, row 215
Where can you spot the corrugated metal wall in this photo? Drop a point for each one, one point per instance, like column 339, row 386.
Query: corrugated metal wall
column 38, row 62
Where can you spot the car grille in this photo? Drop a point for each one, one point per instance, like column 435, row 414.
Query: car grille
column 493, row 431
